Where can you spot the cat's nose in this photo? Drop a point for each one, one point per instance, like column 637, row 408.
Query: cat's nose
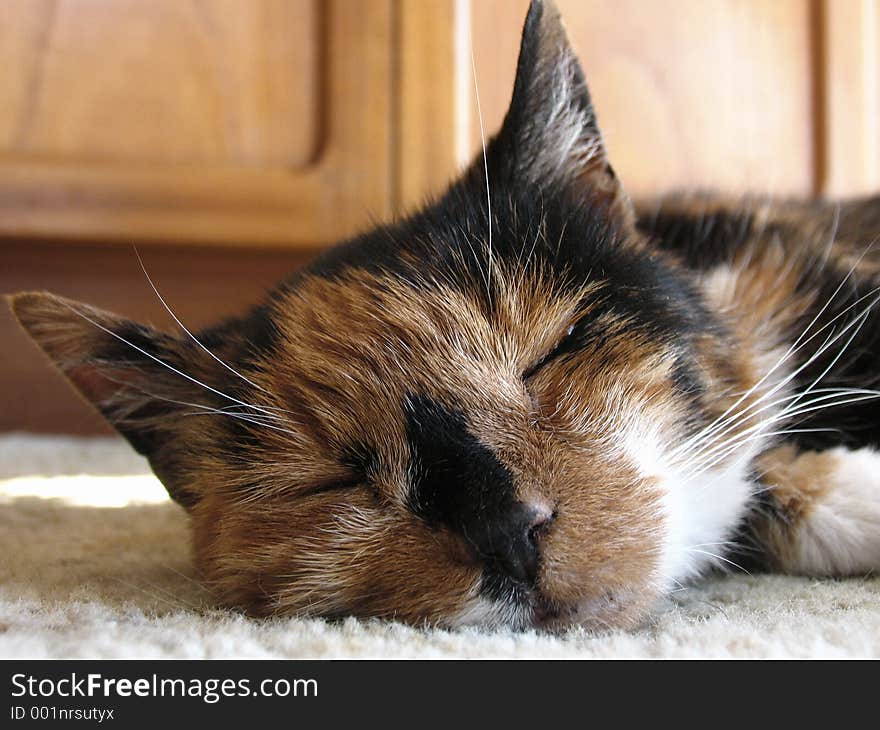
column 512, row 541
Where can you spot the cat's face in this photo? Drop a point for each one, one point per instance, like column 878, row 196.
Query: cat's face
column 448, row 419
column 451, row 459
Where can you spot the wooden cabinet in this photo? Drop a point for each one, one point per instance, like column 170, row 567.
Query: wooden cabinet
column 217, row 121
column 295, row 122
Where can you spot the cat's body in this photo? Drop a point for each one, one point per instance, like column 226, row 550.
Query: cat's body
column 798, row 282
column 526, row 404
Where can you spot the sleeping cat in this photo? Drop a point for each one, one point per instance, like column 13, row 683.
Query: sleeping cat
column 530, row 404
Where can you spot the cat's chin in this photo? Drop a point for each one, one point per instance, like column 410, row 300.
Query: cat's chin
column 613, row 610
column 593, row 615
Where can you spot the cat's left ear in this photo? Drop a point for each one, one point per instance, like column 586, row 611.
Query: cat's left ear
column 133, row 375
column 550, row 136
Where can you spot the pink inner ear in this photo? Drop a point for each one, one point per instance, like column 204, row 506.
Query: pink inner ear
column 99, row 383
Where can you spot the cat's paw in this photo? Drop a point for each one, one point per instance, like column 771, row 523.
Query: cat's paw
column 827, row 509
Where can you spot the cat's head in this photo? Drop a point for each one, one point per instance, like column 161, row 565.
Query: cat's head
column 462, row 417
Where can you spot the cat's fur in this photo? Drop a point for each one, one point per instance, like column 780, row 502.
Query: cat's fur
column 552, row 423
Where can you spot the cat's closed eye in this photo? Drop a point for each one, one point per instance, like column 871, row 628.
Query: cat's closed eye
column 561, row 347
column 333, row 485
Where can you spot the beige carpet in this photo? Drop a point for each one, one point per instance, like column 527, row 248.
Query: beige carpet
column 94, row 562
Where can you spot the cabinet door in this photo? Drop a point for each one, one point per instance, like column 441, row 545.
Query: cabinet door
column 710, row 93
column 211, row 121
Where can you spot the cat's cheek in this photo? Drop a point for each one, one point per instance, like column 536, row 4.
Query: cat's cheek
column 600, row 563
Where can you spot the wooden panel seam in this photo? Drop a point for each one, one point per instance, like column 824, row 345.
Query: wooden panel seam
column 427, row 94
column 850, row 103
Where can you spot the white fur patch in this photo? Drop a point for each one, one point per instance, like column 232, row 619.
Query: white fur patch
column 700, row 513
column 841, row 534
column 480, row 611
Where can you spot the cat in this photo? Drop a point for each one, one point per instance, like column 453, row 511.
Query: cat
column 531, row 404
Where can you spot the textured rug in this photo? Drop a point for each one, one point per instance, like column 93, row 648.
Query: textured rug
column 95, row 562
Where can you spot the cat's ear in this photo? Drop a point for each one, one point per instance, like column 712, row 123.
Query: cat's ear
column 550, row 135
column 123, row 369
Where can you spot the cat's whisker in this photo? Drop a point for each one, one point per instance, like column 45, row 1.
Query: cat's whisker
column 769, row 406
column 190, row 334
column 183, row 602
column 784, row 415
column 719, row 557
column 736, row 443
column 263, row 416
column 821, row 376
column 525, row 265
column 466, row 237
column 194, row 582
column 486, row 170
column 721, row 457
column 175, row 602
column 209, row 412
column 789, row 410
column 727, row 424
column 203, row 409
column 161, row 362
column 795, row 346
column 712, row 435
column 670, row 579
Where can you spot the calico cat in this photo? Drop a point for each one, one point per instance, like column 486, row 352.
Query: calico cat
column 530, row 404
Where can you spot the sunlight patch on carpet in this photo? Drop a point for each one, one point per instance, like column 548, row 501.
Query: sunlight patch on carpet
column 85, row 490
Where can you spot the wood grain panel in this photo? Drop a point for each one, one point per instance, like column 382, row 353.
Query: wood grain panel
column 709, row 93
column 161, row 81
column 245, row 193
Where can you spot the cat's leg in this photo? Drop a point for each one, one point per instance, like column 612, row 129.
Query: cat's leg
column 820, row 513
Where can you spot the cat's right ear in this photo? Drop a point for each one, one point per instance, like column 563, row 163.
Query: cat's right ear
column 550, row 136
column 133, row 375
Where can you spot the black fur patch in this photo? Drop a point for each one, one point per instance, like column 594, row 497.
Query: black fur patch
column 255, row 334
column 460, row 484
column 447, row 245
column 703, row 241
column 855, row 424
column 457, row 481
column 155, row 344
column 360, row 458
